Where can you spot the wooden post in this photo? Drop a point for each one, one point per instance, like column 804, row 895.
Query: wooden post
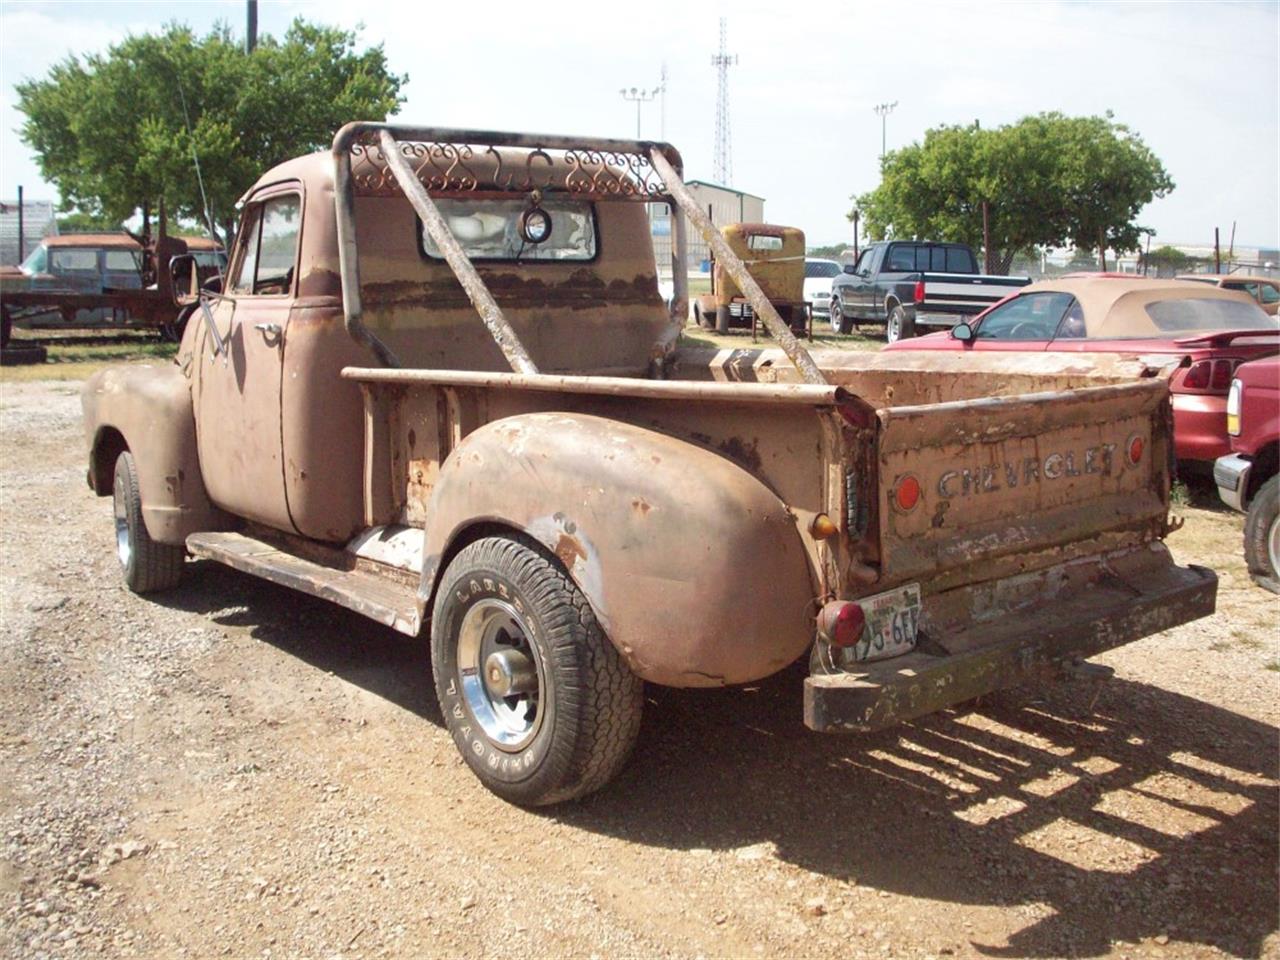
column 1146, row 257
column 22, row 253
column 857, row 214
column 1217, row 252
column 986, row 239
column 1102, row 248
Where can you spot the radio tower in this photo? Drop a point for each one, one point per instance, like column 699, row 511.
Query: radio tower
column 723, row 157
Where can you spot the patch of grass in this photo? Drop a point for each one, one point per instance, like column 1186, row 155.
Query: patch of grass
column 1179, row 495
column 1273, row 666
column 79, row 361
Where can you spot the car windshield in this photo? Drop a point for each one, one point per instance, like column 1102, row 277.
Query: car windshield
column 1202, row 316
column 821, row 268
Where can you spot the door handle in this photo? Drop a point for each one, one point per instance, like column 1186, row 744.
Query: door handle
column 270, row 332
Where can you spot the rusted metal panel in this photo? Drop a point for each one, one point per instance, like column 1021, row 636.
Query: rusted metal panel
column 506, row 339
column 683, row 611
column 149, row 405
column 1035, row 644
column 1019, row 475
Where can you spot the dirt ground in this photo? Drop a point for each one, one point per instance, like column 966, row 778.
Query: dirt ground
column 234, row 770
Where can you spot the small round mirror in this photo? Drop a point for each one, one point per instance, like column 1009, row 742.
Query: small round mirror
column 962, row 332
column 535, row 225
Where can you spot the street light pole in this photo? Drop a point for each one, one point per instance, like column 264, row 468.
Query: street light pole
column 639, row 96
column 884, row 109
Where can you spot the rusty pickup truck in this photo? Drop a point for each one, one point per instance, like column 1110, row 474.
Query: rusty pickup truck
column 439, row 387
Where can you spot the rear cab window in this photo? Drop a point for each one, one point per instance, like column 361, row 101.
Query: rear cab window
column 763, row 243
column 902, row 258
column 490, row 230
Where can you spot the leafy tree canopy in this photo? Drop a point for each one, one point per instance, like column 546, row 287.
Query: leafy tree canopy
column 1048, row 181
column 116, row 132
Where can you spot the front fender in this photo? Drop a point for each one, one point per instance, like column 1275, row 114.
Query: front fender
column 147, row 409
column 693, row 566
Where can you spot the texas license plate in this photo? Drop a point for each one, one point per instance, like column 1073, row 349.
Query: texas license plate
column 893, row 618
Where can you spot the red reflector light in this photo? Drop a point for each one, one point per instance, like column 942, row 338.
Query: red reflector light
column 1135, row 450
column 907, row 492
column 1198, row 375
column 841, row 623
column 1221, row 379
column 919, row 291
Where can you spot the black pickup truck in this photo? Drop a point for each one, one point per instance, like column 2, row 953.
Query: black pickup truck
column 909, row 284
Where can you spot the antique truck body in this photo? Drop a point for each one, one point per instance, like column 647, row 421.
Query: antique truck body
column 774, row 256
column 440, row 388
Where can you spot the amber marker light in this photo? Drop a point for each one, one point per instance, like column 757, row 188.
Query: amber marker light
column 823, row 527
column 1135, row 450
column 907, row 493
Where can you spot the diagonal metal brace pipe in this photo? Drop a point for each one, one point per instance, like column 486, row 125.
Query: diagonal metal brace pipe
column 503, row 335
column 732, row 263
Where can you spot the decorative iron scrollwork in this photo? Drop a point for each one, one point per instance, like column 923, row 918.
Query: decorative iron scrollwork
column 457, row 168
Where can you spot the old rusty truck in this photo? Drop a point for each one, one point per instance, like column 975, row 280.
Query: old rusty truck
column 439, row 387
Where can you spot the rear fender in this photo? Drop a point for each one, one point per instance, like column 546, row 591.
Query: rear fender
column 693, row 566
column 147, row 410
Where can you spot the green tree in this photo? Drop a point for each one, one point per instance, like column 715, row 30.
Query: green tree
column 1046, row 180
column 117, row 132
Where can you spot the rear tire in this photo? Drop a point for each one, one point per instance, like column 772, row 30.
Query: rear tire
column 899, row 326
column 1262, row 536
column 566, row 724
column 147, row 566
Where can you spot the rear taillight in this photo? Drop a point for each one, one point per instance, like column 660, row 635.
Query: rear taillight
column 1234, row 396
column 1198, row 375
column 919, row 291
column 841, row 623
column 1222, row 370
column 1210, row 374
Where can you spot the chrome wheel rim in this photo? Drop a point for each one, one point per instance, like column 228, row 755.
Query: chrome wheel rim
column 834, row 315
column 1273, row 546
column 891, row 327
column 120, row 509
column 500, row 674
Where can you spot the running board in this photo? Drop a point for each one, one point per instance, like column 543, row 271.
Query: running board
column 379, row 598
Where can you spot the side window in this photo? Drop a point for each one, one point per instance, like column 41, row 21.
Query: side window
column 1072, row 325
column 73, row 260
column 1269, row 293
column 121, row 261
column 863, row 262
column 1032, row 316
column 270, row 247
column 248, row 241
column 960, row 260
column 902, row 258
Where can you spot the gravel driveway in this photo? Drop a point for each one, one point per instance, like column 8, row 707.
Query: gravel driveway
column 231, row 769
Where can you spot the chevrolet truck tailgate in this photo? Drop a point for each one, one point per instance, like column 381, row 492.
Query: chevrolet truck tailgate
column 976, row 489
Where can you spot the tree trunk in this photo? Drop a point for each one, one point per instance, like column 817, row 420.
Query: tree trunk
column 1102, row 250
column 146, row 219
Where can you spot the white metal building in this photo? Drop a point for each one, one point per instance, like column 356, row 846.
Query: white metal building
column 38, row 221
column 722, row 204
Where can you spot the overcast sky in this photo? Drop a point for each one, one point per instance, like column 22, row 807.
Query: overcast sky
column 1198, row 81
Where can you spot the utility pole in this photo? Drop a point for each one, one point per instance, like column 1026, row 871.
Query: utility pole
column 662, row 104
column 22, row 251
column 883, row 109
column 723, row 154
column 251, row 27
column 638, row 97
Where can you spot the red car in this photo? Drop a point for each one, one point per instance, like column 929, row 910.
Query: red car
column 1207, row 330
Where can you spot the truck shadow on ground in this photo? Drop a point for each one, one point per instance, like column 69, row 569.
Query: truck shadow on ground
column 1113, row 813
